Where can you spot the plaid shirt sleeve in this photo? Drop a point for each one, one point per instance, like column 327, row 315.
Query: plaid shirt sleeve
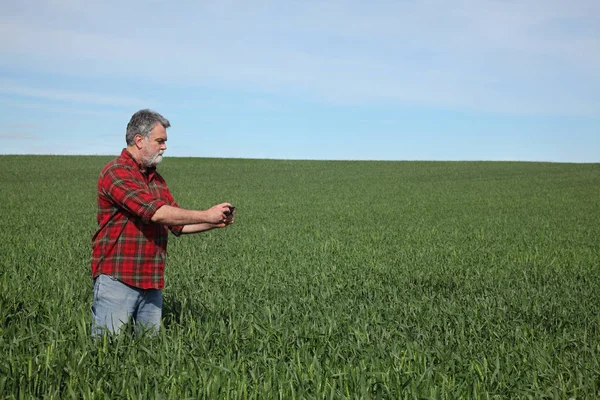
column 176, row 229
column 125, row 189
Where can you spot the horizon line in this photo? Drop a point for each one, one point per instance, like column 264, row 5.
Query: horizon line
column 315, row 159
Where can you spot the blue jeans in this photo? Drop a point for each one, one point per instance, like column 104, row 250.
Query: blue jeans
column 116, row 303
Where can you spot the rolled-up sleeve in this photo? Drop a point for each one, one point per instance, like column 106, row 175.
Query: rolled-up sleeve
column 176, row 229
column 128, row 192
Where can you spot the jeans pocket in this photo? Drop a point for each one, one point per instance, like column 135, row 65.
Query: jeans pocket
column 96, row 287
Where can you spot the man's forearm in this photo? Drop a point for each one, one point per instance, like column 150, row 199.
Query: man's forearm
column 195, row 228
column 171, row 216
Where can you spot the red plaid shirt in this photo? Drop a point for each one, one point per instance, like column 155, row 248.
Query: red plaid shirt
column 127, row 245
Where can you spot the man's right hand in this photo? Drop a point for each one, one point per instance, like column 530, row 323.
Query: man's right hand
column 217, row 214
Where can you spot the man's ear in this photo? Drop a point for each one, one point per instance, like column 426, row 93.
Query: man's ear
column 139, row 141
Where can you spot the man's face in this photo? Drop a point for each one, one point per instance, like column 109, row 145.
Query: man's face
column 154, row 146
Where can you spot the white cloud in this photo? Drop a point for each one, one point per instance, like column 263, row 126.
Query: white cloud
column 23, row 125
column 67, row 109
column 498, row 56
column 8, row 87
column 17, row 135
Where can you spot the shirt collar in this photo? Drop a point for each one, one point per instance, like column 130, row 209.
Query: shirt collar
column 130, row 159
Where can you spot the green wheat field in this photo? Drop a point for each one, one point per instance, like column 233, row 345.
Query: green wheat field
column 339, row 280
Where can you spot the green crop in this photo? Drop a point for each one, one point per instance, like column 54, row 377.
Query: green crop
column 338, row 280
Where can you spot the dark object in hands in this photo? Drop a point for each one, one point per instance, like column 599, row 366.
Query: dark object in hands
column 231, row 210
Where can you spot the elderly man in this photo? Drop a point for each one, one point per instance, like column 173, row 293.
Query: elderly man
column 135, row 213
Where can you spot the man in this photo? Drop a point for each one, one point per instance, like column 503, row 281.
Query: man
column 135, row 213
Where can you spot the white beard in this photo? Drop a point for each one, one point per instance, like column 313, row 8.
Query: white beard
column 153, row 161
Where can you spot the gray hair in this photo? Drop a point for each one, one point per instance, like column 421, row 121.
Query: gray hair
column 142, row 123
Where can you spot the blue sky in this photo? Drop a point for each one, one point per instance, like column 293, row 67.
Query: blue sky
column 379, row 80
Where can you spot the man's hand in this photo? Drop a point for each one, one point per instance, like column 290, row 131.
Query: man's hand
column 229, row 219
column 230, row 216
column 219, row 214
